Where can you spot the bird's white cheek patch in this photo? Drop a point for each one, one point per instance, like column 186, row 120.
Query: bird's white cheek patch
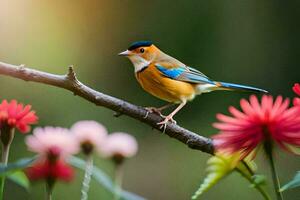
column 139, row 63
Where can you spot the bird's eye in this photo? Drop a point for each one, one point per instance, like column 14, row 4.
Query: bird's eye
column 142, row 50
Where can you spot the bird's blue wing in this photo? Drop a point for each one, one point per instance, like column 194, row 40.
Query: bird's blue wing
column 186, row 74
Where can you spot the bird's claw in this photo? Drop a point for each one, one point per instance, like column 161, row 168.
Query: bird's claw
column 164, row 123
column 153, row 110
column 163, row 126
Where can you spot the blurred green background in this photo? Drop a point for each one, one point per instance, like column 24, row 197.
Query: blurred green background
column 254, row 42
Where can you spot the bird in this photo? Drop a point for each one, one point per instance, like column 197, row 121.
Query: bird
column 170, row 80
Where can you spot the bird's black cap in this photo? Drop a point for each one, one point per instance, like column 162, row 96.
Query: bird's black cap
column 140, row 44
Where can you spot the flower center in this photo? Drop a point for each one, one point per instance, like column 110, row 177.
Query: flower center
column 87, row 147
column 53, row 154
column 266, row 132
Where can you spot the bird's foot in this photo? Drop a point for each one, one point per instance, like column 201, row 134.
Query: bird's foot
column 164, row 123
column 153, row 110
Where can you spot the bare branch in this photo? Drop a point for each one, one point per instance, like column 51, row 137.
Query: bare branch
column 71, row 83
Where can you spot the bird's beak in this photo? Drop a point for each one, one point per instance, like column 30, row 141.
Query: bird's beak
column 124, row 53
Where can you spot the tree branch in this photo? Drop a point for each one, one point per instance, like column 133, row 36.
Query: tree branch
column 71, row 83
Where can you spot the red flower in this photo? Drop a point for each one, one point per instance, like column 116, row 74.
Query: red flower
column 296, row 89
column 16, row 115
column 49, row 171
column 258, row 122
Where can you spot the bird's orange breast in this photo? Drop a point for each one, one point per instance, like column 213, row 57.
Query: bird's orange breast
column 163, row 87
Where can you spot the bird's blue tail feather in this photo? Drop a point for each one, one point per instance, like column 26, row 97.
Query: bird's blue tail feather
column 233, row 86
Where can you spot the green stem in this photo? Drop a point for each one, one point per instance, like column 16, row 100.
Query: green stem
column 118, row 181
column 249, row 178
column 5, row 154
column 87, row 177
column 275, row 178
column 7, row 136
column 264, row 193
column 2, row 182
column 268, row 147
column 49, row 189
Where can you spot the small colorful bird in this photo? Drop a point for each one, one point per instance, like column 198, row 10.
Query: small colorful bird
column 169, row 79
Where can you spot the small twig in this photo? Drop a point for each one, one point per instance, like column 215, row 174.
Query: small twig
column 117, row 114
column 71, row 74
column 71, row 83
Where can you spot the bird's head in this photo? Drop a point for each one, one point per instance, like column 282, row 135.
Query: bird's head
column 141, row 54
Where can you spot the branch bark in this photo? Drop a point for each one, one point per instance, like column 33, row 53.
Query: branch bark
column 71, row 83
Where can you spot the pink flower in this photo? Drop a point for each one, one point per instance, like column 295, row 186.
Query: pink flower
column 296, row 89
column 258, row 122
column 120, row 145
column 50, row 171
column 53, row 144
column 16, row 115
column 52, row 141
column 89, row 134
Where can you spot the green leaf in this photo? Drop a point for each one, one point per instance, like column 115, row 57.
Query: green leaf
column 221, row 166
column 102, row 178
column 218, row 168
column 19, row 178
column 18, row 165
column 257, row 180
column 295, row 182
